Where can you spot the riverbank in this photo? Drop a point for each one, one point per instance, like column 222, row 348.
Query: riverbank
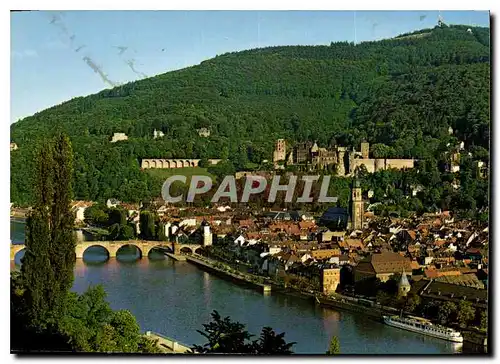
column 240, row 279
column 176, row 257
column 336, row 301
column 18, row 219
column 476, row 338
column 168, row 345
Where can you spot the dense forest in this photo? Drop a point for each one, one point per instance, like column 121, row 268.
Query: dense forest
column 399, row 94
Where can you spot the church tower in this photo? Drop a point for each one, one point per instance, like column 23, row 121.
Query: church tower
column 357, row 208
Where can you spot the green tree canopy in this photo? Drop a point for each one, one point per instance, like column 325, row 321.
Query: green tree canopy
column 334, row 347
column 225, row 336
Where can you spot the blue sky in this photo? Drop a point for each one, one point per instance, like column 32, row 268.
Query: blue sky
column 56, row 56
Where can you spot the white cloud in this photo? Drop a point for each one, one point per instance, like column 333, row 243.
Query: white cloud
column 26, row 53
column 55, row 44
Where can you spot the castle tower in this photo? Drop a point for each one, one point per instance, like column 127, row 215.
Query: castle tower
column 403, row 286
column 365, row 150
column 340, row 161
column 357, row 208
column 279, row 151
column 207, row 234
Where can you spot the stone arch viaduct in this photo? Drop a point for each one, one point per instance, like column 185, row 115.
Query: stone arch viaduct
column 112, row 247
column 173, row 163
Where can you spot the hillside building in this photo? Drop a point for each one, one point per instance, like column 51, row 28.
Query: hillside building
column 158, row 134
column 119, row 137
column 203, row 132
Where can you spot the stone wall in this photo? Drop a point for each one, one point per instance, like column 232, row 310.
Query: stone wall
column 368, row 163
column 399, row 163
column 374, row 165
column 174, row 163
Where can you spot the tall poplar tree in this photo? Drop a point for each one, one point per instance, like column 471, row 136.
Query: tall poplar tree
column 47, row 269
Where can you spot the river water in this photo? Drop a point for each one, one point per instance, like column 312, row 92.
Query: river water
column 176, row 299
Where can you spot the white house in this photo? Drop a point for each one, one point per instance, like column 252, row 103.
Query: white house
column 239, row 240
column 452, row 247
column 274, row 249
column 428, row 260
column 118, row 137
column 188, row 222
column 304, row 258
column 79, row 207
column 112, row 202
column 157, row 134
column 162, row 210
column 334, row 260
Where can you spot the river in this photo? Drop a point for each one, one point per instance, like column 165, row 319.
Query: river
column 176, row 299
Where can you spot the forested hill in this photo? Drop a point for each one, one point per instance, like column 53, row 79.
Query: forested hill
column 402, row 94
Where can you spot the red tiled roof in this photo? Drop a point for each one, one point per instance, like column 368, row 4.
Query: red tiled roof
column 307, row 224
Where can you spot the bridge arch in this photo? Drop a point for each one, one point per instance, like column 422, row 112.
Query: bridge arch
column 93, row 245
column 168, row 163
column 146, row 164
column 17, row 254
column 185, row 164
column 128, row 245
column 186, row 249
column 153, row 163
column 158, row 247
column 178, row 164
column 199, row 251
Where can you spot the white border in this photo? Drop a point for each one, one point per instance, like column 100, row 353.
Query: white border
column 189, row 5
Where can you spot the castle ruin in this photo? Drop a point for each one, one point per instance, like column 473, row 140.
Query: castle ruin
column 343, row 161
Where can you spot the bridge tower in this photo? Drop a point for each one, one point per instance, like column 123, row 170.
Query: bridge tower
column 207, row 234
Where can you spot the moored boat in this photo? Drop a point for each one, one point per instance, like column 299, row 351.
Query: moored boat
column 424, row 327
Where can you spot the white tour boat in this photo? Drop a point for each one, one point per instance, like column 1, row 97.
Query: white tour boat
column 424, row 327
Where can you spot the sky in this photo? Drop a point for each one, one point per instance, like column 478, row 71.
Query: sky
column 56, row 56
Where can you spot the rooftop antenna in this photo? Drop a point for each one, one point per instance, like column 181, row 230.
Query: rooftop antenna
column 355, row 35
column 440, row 19
column 258, row 29
column 469, row 30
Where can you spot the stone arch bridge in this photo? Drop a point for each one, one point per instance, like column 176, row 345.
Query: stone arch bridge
column 173, row 163
column 112, row 247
